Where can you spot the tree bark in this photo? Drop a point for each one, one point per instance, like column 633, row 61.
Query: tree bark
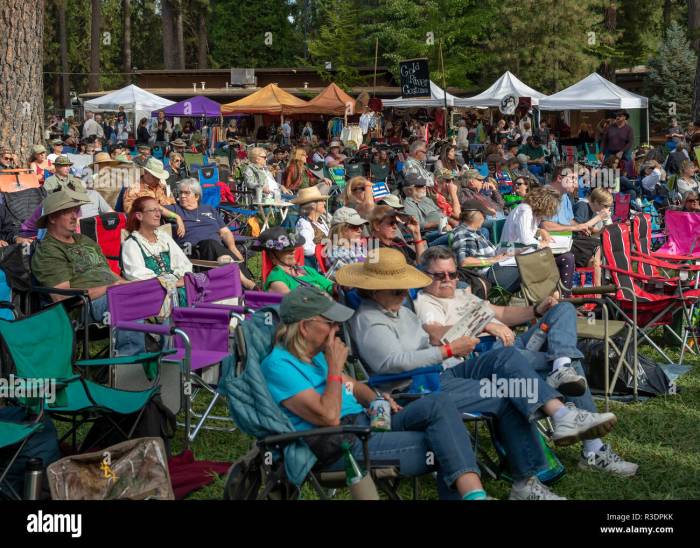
column 693, row 24
column 21, row 76
column 667, row 14
column 179, row 36
column 63, row 45
column 126, row 39
column 168, row 34
column 95, row 39
column 203, row 40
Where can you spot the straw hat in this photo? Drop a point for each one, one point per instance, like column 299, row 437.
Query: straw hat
column 308, row 195
column 58, row 201
column 104, row 158
column 155, row 168
column 385, row 268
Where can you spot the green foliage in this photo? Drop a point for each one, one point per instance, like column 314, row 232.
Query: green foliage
column 671, row 77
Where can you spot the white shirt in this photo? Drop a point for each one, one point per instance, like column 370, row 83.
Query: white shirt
column 462, row 138
column 306, row 229
column 91, row 127
column 650, row 181
column 520, row 226
column 134, row 266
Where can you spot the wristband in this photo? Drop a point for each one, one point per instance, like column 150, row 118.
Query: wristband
column 416, row 242
column 534, row 311
column 334, row 378
column 448, row 350
column 483, row 262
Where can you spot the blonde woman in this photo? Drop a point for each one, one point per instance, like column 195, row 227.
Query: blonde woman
column 257, row 176
column 358, row 195
column 346, row 243
column 39, row 163
column 297, row 175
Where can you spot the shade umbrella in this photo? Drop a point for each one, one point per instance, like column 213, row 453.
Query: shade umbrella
column 269, row 100
column 194, row 106
column 331, row 100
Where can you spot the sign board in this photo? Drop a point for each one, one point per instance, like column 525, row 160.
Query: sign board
column 415, row 78
column 508, row 104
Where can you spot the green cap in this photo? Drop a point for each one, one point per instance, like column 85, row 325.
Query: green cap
column 306, row 302
column 63, row 160
column 57, row 142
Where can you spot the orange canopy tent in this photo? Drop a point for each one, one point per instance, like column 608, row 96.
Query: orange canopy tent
column 269, row 100
column 332, row 100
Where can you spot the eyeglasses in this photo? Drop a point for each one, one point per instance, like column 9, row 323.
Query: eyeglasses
column 7, row 158
column 391, row 222
column 358, row 189
column 154, row 210
column 521, row 184
column 693, row 201
column 323, row 320
column 443, row 275
column 358, row 228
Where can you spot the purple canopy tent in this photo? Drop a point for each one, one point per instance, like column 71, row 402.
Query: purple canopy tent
column 194, row 106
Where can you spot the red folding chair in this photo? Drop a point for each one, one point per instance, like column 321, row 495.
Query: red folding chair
column 642, row 235
column 635, row 302
column 267, row 264
column 621, row 207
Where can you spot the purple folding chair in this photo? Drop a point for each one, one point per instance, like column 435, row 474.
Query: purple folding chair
column 205, row 344
column 219, row 283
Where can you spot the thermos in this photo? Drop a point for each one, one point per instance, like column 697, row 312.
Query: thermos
column 33, row 473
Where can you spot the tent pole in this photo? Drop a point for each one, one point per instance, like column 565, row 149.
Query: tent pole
column 648, row 133
column 444, row 90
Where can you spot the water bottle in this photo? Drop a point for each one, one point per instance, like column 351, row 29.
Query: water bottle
column 33, row 473
column 361, row 485
column 538, row 338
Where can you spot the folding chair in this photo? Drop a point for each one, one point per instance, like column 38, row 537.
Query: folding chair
column 682, row 231
column 193, row 158
column 540, row 278
column 208, row 174
column 41, row 348
column 379, row 173
column 15, row 434
column 106, row 230
column 14, row 180
column 621, row 207
column 648, row 310
column 267, row 264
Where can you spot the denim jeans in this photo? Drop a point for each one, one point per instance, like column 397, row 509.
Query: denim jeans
column 128, row 343
column 430, row 424
column 434, row 237
column 561, row 336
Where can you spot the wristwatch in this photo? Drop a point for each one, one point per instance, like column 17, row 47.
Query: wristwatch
column 534, row 310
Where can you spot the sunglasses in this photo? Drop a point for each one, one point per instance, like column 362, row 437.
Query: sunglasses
column 691, row 201
column 392, row 222
column 443, row 275
column 358, row 189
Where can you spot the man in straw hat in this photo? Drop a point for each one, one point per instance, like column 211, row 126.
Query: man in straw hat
column 65, row 259
column 144, row 154
column 312, row 224
column 390, row 339
column 153, row 185
column 304, row 373
column 62, row 177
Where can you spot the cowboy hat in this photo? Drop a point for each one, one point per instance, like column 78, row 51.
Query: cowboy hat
column 392, row 200
column 155, row 168
column 308, row 195
column 277, row 239
column 104, row 158
column 384, row 268
column 59, row 201
column 178, row 143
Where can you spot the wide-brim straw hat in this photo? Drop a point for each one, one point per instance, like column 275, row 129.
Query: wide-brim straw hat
column 60, row 200
column 384, row 268
column 308, row 195
column 103, row 158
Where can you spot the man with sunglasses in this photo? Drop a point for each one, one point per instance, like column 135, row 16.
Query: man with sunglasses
column 427, row 214
column 415, row 163
column 8, row 160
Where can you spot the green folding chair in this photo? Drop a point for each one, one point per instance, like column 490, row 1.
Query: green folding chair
column 14, row 434
column 192, row 158
column 41, row 348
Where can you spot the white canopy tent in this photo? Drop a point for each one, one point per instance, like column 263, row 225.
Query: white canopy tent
column 595, row 93
column 134, row 100
column 507, row 84
column 436, row 99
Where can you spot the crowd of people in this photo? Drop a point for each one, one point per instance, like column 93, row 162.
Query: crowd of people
column 446, row 226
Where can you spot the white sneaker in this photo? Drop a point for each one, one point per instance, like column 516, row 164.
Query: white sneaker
column 608, row 461
column 534, row 489
column 567, row 381
column 225, row 259
column 578, row 425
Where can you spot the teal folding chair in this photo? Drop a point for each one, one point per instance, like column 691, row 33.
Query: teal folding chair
column 41, row 348
column 14, row 434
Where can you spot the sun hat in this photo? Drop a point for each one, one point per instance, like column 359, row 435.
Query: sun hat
column 349, row 216
column 384, row 268
column 178, row 143
column 414, row 179
column 104, row 158
column 63, row 160
column 474, row 174
column 392, row 200
column 277, row 239
column 306, row 302
column 155, row 168
column 335, row 144
column 57, row 142
column 474, row 205
column 58, row 201
column 38, row 149
column 308, row 195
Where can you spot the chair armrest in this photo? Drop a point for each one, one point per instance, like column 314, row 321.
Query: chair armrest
column 383, row 379
column 592, row 290
column 70, row 292
column 121, row 360
column 638, row 276
column 146, row 328
column 233, row 308
column 284, row 439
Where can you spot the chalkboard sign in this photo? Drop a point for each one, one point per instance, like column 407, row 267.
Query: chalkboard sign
column 415, row 78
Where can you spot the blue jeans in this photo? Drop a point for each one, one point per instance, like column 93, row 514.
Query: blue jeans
column 430, row 424
column 128, row 343
column 434, row 237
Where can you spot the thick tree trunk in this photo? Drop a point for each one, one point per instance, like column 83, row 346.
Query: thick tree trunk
column 179, row 36
column 63, row 44
column 667, row 14
column 95, row 39
column 21, row 77
column 126, row 39
column 167, row 15
column 693, row 28
column 203, row 42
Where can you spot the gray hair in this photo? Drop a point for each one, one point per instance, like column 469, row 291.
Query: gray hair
column 192, row 184
column 436, row 253
column 415, row 145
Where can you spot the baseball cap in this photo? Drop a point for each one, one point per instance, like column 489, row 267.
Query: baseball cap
column 306, row 302
column 347, row 215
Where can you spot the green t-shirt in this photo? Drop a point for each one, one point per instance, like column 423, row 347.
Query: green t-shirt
column 312, row 277
column 81, row 263
column 534, row 153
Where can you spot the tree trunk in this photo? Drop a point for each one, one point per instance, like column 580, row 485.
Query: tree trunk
column 126, row 39
column 168, row 35
column 693, row 24
column 95, row 39
column 179, row 36
column 668, row 4
column 63, row 42
column 203, row 40
column 21, row 66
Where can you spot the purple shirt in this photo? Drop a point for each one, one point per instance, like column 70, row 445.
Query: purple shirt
column 618, row 138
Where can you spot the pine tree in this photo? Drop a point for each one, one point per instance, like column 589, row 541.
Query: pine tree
column 671, row 77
